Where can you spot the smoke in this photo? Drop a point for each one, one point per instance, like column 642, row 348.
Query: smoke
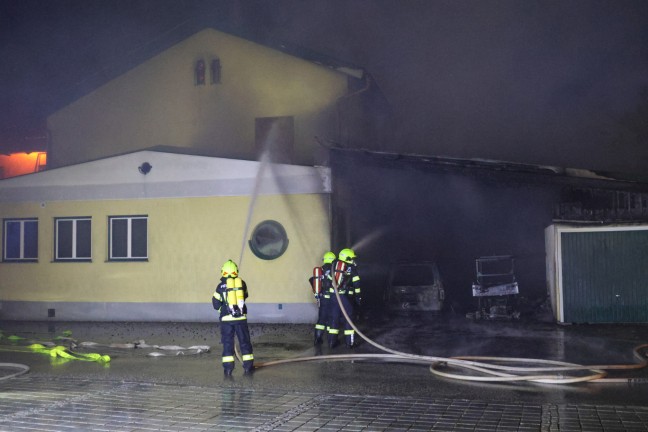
column 410, row 209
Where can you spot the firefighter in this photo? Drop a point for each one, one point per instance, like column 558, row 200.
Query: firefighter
column 229, row 299
column 322, row 287
column 347, row 281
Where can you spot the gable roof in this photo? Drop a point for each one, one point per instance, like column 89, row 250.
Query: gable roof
column 171, row 175
column 86, row 81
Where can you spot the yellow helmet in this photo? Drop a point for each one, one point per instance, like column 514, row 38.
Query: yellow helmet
column 229, row 269
column 347, row 255
column 328, row 258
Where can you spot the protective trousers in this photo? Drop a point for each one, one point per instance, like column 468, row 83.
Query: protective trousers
column 240, row 329
column 338, row 321
column 323, row 317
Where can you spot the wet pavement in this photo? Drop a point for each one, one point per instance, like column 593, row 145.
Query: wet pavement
column 180, row 390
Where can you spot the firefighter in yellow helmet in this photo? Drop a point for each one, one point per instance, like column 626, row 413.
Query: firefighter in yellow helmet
column 229, row 299
column 347, row 282
column 322, row 287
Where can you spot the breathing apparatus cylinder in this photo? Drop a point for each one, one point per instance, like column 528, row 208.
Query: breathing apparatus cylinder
column 240, row 298
column 340, row 273
column 316, row 281
column 235, row 296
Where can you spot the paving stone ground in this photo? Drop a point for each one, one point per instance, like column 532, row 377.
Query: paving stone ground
column 41, row 403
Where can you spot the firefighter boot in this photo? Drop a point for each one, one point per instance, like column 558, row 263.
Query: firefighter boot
column 318, row 337
column 333, row 342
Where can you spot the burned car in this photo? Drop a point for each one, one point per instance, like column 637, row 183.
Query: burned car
column 495, row 289
column 415, row 286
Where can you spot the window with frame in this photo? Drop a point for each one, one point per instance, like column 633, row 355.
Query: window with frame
column 72, row 239
column 128, row 238
column 268, row 240
column 20, row 240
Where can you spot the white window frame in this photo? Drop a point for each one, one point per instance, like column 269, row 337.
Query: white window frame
column 22, row 257
column 129, row 238
column 74, row 221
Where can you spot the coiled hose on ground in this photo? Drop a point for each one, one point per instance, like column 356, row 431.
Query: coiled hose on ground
column 488, row 369
column 22, row 369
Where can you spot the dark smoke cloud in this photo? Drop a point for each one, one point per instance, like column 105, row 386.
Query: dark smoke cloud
column 530, row 81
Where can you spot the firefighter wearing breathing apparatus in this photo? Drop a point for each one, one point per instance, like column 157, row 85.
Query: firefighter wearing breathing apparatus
column 347, row 282
column 229, row 299
column 322, row 287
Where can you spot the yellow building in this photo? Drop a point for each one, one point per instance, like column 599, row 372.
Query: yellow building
column 207, row 151
column 142, row 237
column 215, row 93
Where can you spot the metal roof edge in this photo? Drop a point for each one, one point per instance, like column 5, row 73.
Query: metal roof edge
column 504, row 166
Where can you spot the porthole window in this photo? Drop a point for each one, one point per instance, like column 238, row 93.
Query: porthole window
column 269, row 240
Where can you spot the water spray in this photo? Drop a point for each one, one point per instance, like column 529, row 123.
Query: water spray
column 264, row 160
column 360, row 244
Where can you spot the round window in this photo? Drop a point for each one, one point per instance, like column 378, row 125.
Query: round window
column 269, row 240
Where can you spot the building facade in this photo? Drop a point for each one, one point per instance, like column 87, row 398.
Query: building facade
column 142, row 237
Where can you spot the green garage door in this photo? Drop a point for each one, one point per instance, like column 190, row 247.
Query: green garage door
column 605, row 276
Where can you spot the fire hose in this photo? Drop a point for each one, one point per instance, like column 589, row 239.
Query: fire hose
column 56, row 352
column 22, row 369
column 491, row 369
column 60, row 354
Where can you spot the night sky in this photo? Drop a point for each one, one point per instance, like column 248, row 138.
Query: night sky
column 541, row 82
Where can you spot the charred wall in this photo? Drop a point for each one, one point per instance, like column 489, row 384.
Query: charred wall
column 393, row 208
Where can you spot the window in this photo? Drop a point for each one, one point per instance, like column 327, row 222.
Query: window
column 269, row 240
column 72, row 239
column 128, row 238
column 216, row 71
column 199, row 72
column 20, row 240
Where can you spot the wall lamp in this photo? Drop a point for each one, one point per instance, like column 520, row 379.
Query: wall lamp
column 145, row 168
